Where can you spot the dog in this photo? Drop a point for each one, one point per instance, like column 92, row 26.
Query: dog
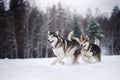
column 63, row 48
column 88, row 49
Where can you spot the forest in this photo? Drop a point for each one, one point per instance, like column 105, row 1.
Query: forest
column 23, row 29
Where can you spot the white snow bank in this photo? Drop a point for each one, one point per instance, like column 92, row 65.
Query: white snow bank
column 41, row 69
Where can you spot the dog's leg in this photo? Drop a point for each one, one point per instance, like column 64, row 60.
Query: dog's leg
column 72, row 58
column 58, row 60
column 84, row 58
column 77, row 58
column 88, row 56
column 98, row 58
column 90, row 59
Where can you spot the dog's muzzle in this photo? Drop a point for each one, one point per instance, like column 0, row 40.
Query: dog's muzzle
column 82, row 46
column 50, row 41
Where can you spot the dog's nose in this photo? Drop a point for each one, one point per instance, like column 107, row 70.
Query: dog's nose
column 81, row 44
column 48, row 40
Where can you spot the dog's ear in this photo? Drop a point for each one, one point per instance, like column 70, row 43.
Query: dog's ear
column 87, row 38
column 48, row 32
column 57, row 33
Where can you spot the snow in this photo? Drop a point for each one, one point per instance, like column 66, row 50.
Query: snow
column 41, row 69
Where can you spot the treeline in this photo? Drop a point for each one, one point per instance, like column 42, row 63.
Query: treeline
column 23, row 29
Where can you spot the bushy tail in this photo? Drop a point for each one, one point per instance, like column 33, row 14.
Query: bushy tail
column 97, row 42
column 70, row 35
column 72, row 38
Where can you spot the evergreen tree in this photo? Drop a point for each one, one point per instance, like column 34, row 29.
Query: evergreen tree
column 2, row 8
column 76, row 26
column 94, row 31
column 2, row 27
column 115, row 20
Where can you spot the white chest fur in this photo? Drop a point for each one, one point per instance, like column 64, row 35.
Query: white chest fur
column 86, row 53
column 58, row 51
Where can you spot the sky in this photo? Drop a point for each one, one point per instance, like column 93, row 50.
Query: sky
column 81, row 6
column 77, row 6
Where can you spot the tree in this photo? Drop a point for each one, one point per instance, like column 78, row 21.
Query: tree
column 94, row 31
column 115, row 20
column 19, row 10
column 2, row 27
column 76, row 26
column 2, row 8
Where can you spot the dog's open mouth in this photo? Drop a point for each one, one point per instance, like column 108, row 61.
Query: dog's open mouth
column 51, row 41
column 83, row 46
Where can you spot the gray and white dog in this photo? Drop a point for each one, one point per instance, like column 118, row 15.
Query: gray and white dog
column 89, row 49
column 63, row 48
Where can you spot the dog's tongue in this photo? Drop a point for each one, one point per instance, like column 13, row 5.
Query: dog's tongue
column 82, row 47
column 51, row 41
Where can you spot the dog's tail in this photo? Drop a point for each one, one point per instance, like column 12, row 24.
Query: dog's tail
column 97, row 41
column 70, row 35
column 72, row 38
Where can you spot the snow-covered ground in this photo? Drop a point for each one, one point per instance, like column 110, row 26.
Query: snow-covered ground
column 41, row 69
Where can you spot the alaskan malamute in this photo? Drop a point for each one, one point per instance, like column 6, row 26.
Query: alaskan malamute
column 63, row 48
column 88, row 50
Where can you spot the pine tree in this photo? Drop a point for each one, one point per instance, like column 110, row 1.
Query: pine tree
column 115, row 20
column 76, row 26
column 94, row 31
column 2, row 8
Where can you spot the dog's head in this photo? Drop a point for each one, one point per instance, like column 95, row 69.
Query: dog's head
column 84, row 40
column 52, row 37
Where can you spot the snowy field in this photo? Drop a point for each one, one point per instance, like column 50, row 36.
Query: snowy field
column 41, row 69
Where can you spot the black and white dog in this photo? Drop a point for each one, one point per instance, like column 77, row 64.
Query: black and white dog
column 88, row 50
column 63, row 48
